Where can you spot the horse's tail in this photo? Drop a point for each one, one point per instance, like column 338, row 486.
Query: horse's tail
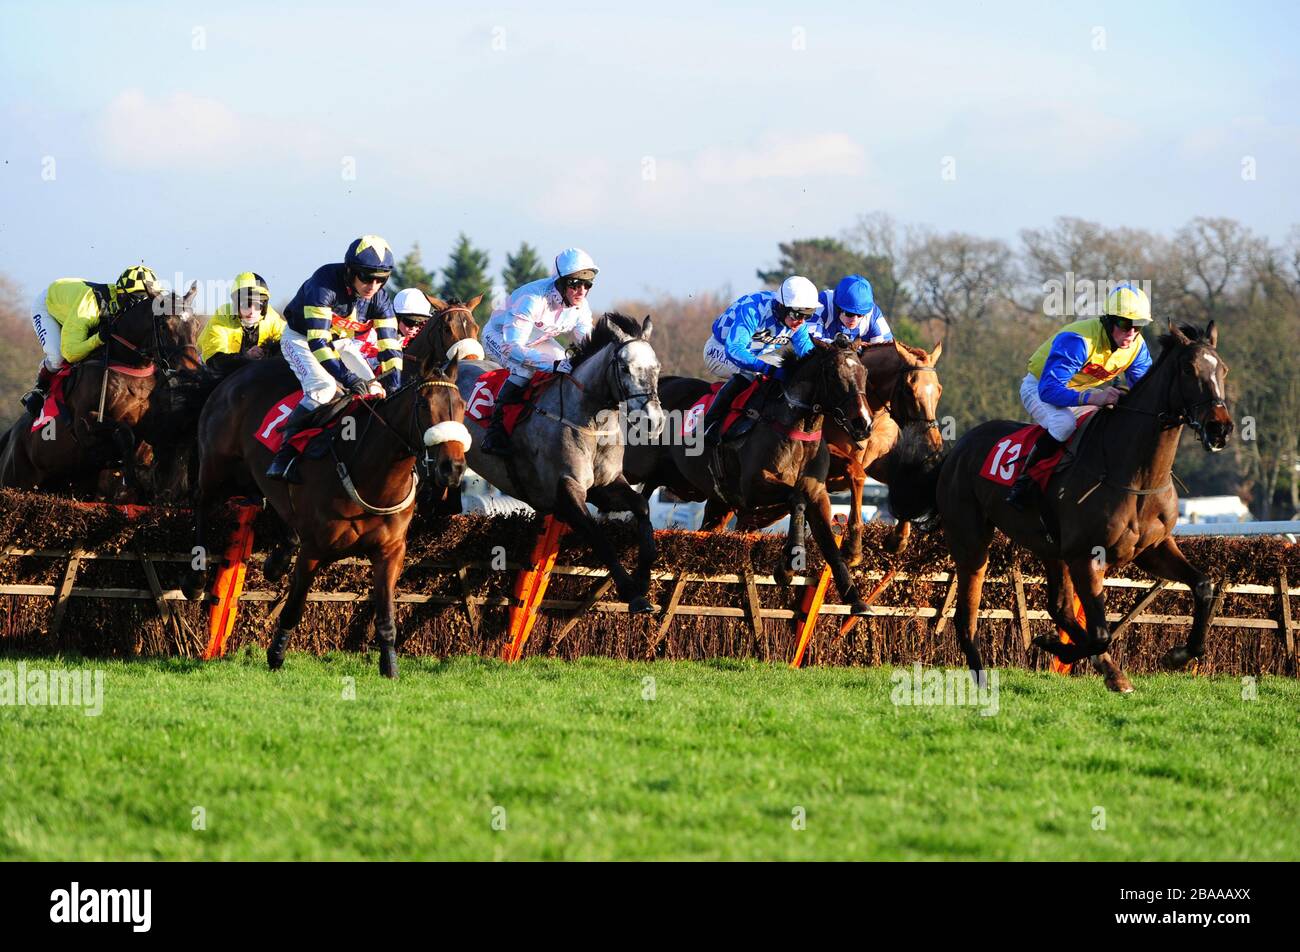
column 913, row 478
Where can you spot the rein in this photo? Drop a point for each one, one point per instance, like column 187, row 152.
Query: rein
column 341, row 468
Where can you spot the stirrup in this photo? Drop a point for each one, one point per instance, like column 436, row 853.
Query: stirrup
column 33, row 401
column 284, row 470
column 497, row 443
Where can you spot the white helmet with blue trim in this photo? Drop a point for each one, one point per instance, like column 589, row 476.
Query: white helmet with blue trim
column 575, row 263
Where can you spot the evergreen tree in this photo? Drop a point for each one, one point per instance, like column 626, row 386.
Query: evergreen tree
column 411, row 273
column 522, row 267
column 466, row 276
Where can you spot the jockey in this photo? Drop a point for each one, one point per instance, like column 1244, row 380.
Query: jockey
column 1074, row 369
column 327, row 318
column 67, row 316
column 851, row 310
column 413, row 311
column 753, row 328
column 243, row 327
column 522, row 334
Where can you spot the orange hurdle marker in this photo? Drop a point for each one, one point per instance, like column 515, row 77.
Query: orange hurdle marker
column 809, row 608
column 229, row 584
column 530, row 588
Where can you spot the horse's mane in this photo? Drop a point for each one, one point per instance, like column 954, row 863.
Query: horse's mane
column 1169, row 343
column 605, row 330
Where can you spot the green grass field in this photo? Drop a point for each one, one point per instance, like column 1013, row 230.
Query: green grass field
column 576, row 762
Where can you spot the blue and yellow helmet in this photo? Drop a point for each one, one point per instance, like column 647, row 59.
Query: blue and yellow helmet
column 1130, row 302
column 369, row 254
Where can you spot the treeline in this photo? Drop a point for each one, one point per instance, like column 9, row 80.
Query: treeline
column 993, row 302
column 467, row 273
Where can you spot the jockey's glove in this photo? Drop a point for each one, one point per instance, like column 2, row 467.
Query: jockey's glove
column 358, row 386
column 563, row 367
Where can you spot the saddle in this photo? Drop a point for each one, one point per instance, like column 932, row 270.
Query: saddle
column 483, row 398
column 740, row 408
column 56, row 402
column 313, row 440
column 1004, row 461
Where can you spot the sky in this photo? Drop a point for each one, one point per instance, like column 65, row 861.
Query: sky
column 677, row 143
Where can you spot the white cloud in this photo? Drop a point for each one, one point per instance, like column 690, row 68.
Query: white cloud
column 781, row 157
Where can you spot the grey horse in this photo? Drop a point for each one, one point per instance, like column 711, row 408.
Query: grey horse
column 569, row 449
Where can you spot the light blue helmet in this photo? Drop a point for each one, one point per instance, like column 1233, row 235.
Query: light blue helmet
column 853, row 294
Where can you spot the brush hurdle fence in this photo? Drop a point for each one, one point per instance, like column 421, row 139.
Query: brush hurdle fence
column 467, row 594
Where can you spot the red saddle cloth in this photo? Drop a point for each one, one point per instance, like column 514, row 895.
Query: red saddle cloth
column 270, row 432
column 1003, row 463
column 56, row 404
column 483, row 398
column 701, row 406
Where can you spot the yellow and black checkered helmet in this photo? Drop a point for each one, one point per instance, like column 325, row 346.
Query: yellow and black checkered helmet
column 136, row 280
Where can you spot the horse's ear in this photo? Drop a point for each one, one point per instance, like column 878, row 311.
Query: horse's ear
column 647, row 328
column 934, row 354
column 473, row 303
column 449, row 369
column 1212, row 335
column 819, row 343
column 1177, row 333
column 437, row 303
column 190, row 294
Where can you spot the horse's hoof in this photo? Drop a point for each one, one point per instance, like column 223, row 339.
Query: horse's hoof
column 1176, row 658
column 274, row 659
column 388, row 663
column 641, row 606
column 859, row 607
column 1120, row 684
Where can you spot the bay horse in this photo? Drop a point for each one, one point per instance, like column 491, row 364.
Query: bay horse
column 357, row 502
column 139, row 376
column 780, row 465
column 1114, row 503
column 903, row 390
column 569, row 449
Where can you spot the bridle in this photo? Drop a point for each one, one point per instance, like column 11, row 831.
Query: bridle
column 1187, row 414
column 157, row 353
column 839, row 412
column 614, row 384
column 408, row 442
column 929, row 424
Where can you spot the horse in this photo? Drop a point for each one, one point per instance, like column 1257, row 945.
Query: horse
column 119, row 397
column 1114, row 503
column 781, row 465
column 452, row 323
column 569, row 449
column 903, row 390
column 358, row 502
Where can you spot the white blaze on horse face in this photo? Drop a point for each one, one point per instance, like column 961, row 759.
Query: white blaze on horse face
column 1214, row 375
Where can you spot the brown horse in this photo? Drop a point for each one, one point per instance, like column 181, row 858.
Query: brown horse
column 1114, row 503
column 903, row 390
column 357, row 502
column 137, row 379
column 780, row 465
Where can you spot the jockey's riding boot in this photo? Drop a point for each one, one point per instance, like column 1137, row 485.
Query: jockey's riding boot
column 717, row 411
column 282, row 464
column 496, row 440
column 34, row 400
column 1025, row 487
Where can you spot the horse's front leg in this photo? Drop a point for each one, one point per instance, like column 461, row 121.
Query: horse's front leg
column 1060, row 605
column 794, row 558
column 571, row 507
column 820, row 521
column 1086, row 574
column 304, row 573
column 619, row 496
column 1165, row 560
column 387, row 566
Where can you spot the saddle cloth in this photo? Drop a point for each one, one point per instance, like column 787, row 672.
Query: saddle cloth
column 270, row 432
column 701, row 406
column 1004, row 461
column 56, row 403
column 483, row 398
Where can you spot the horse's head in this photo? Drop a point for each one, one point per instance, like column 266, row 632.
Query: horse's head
column 161, row 328
column 1198, row 385
column 839, row 384
column 917, row 389
column 455, row 332
column 437, row 412
column 624, row 369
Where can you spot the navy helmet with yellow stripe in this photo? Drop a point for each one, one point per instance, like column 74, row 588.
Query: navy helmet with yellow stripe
column 369, row 255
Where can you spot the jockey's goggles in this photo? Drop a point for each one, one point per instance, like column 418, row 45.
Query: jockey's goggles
column 373, row 277
column 572, row 283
